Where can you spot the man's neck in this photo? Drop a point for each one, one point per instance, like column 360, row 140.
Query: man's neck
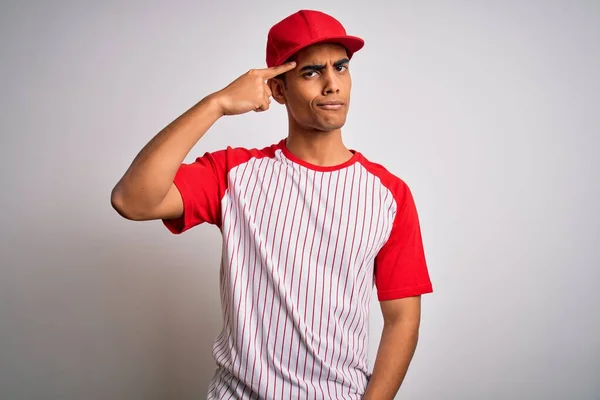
column 319, row 148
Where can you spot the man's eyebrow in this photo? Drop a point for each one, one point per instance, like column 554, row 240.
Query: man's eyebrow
column 319, row 67
column 341, row 62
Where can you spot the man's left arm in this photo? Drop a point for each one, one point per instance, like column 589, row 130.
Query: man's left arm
column 401, row 320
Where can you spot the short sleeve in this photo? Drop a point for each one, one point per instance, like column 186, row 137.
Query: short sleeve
column 201, row 185
column 400, row 266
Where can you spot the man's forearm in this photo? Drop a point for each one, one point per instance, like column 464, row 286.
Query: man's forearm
column 396, row 349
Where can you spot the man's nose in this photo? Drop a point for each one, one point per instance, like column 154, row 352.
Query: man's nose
column 331, row 82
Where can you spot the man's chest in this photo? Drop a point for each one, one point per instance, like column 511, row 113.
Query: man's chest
column 337, row 219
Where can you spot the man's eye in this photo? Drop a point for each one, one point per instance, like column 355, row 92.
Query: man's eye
column 308, row 74
column 342, row 67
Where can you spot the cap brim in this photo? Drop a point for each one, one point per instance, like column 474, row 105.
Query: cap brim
column 351, row 43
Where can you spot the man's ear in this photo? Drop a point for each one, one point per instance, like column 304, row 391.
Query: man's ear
column 277, row 89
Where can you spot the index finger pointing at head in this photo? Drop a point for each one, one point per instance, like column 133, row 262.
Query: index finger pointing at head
column 272, row 72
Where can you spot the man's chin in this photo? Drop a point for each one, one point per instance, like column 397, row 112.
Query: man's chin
column 328, row 126
column 324, row 125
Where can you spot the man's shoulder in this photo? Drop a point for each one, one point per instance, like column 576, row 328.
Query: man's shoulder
column 388, row 178
column 235, row 155
column 397, row 186
column 265, row 150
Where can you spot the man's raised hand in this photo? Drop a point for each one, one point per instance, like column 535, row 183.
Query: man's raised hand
column 250, row 91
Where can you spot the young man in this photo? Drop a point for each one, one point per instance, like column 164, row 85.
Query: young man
column 308, row 226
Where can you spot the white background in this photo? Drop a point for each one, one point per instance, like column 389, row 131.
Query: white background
column 488, row 110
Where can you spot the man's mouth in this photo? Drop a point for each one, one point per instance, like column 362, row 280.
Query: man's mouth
column 331, row 105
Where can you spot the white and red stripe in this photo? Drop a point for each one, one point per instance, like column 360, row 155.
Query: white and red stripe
column 302, row 246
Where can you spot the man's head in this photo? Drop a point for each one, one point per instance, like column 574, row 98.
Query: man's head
column 317, row 92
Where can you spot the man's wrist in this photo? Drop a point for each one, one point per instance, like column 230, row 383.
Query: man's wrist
column 213, row 104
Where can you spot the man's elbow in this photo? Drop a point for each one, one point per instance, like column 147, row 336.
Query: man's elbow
column 123, row 207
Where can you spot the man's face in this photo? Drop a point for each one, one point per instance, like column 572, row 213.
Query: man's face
column 317, row 91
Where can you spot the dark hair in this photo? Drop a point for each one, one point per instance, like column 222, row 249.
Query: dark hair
column 282, row 76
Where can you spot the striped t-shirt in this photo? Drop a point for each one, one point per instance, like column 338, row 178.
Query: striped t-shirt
column 303, row 247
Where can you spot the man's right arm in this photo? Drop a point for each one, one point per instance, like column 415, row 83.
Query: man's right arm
column 146, row 191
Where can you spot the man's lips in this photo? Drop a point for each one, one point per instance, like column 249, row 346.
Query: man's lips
column 331, row 105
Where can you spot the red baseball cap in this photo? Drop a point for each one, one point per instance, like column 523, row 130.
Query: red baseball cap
column 304, row 28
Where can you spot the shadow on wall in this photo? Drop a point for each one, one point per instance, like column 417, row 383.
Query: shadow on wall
column 131, row 314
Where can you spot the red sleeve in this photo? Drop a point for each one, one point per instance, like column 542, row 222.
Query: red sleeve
column 400, row 266
column 201, row 184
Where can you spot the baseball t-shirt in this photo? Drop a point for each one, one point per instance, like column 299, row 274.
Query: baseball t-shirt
column 303, row 247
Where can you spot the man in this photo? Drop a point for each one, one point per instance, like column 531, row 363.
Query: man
column 308, row 226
